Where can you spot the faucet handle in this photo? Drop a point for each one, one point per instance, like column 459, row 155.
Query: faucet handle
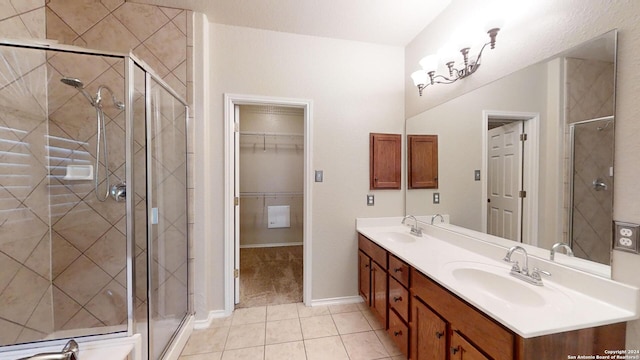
column 536, row 273
column 515, row 267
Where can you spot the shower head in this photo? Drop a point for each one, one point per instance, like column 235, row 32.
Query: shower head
column 78, row 85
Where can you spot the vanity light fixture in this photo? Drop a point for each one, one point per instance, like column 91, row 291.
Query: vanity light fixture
column 427, row 76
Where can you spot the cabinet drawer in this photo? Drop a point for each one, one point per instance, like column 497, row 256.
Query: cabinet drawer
column 488, row 335
column 376, row 253
column 399, row 270
column 399, row 332
column 399, row 298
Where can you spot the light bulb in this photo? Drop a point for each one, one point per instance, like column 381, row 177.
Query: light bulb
column 429, row 63
column 419, row 77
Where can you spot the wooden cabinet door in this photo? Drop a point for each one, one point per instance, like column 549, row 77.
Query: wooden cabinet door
column 364, row 277
column 422, row 161
column 462, row 350
column 428, row 333
column 379, row 293
column 384, row 161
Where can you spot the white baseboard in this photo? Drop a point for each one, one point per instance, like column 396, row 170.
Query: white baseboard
column 204, row 324
column 337, row 301
column 246, row 246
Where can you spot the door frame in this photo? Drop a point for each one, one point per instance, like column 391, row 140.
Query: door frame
column 531, row 159
column 230, row 101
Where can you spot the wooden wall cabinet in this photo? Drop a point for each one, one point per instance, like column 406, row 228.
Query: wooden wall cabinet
column 422, row 161
column 385, row 154
column 427, row 322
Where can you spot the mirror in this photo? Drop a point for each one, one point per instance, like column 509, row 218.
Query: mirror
column 557, row 184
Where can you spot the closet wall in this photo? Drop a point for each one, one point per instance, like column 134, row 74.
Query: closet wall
column 271, row 175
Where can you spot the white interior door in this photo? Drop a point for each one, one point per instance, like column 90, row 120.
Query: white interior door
column 236, row 196
column 504, row 180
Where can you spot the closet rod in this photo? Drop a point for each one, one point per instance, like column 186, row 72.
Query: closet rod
column 268, row 133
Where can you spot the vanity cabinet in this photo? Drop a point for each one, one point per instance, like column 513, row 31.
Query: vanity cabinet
column 461, row 319
column 372, row 277
column 428, row 322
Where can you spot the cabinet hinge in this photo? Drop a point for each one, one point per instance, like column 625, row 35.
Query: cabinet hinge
column 236, row 273
column 523, row 137
column 523, row 194
column 236, row 201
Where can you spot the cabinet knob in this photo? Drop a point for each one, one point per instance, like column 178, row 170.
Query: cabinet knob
column 367, row 265
column 398, row 270
column 454, row 350
column 397, row 298
column 439, row 334
column 397, row 333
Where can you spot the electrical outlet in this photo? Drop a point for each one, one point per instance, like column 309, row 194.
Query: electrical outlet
column 626, row 237
column 370, row 200
column 436, row 198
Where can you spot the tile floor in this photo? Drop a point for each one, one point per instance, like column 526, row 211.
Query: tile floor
column 294, row 332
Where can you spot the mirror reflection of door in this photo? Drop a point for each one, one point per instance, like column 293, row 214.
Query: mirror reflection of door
column 505, row 169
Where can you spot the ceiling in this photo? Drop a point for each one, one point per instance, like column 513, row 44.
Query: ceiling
column 390, row 22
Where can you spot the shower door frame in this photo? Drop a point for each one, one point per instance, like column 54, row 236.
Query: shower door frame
column 572, row 167
column 130, row 61
column 149, row 75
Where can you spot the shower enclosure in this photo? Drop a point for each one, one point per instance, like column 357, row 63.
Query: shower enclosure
column 93, row 201
column 591, row 185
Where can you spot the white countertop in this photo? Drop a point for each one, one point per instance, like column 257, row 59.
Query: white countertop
column 569, row 299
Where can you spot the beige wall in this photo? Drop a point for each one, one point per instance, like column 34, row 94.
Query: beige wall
column 356, row 88
column 546, row 28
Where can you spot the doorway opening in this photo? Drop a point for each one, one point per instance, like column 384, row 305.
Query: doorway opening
column 510, row 187
column 268, row 201
column 271, row 169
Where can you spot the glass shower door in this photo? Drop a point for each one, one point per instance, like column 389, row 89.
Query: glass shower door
column 592, row 189
column 167, row 213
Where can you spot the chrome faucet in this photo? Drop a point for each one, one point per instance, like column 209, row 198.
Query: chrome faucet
column 523, row 274
column 71, row 351
column 436, row 216
column 558, row 246
column 415, row 230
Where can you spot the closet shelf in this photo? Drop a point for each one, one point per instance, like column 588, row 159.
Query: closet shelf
column 254, row 133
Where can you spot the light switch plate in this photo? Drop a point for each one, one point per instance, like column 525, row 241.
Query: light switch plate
column 319, row 175
column 476, row 175
column 626, row 237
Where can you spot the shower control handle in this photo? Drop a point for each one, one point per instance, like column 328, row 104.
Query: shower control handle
column 598, row 184
column 119, row 192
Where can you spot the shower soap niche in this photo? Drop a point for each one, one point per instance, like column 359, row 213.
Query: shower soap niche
column 79, row 172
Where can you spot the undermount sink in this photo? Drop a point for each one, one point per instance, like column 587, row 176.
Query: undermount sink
column 495, row 285
column 397, row 237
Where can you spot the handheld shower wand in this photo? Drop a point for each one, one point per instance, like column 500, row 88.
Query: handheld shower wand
column 101, row 129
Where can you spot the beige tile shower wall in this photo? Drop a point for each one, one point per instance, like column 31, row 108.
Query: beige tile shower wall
column 270, row 164
column 159, row 36
column 22, row 19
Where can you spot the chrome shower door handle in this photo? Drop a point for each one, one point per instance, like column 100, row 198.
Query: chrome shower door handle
column 119, row 192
